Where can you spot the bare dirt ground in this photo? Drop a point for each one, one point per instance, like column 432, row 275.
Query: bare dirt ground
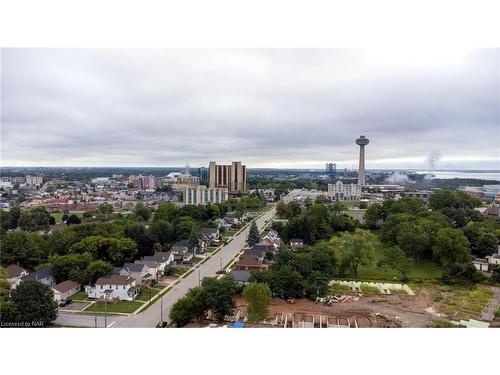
column 408, row 311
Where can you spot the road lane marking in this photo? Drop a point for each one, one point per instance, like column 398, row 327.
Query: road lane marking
column 111, row 324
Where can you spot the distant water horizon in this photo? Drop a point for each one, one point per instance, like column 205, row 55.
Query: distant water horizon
column 448, row 174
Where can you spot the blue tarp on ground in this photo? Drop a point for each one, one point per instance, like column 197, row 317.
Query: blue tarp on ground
column 238, row 324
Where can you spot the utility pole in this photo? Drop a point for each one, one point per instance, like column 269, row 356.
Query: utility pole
column 105, row 312
column 95, row 307
column 199, row 277
column 161, row 309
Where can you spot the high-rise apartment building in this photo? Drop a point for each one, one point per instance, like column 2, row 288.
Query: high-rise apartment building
column 148, row 182
column 34, row 180
column 331, row 169
column 203, row 174
column 232, row 177
column 201, row 195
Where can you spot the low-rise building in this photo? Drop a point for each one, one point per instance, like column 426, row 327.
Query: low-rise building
column 296, row 243
column 210, row 236
column 201, row 195
column 250, row 263
column 137, row 271
column 65, row 290
column 14, row 275
column 114, row 287
column 44, row 275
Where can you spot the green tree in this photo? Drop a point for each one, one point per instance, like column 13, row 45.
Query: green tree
column 34, row 302
column 258, row 297
column 316, row 285
column 73, row 219
column 219, row 295
column 373, row 216
column 253, row 235
column 356, row 249
column 142, row 212
column 162, row 231
column 451, row 247
column 105, row 208
column 20, row 247
column 396, row 259
column 166, row 211
column 194, row 240
column 285, row 282
column 97, row 269
column 487, row 244
column 71, row 267
column 182, row 311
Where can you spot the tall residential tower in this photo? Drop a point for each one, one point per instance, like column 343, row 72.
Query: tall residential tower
column 233, row 177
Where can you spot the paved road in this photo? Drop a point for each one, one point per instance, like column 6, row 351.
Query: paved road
column 151, row 316
column 488, row 314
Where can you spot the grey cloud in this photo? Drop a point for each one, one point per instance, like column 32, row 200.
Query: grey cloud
column 266, row 107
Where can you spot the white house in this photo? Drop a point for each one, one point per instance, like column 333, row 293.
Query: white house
column 66, row 289
column 14, row 275
column 152, row 266
column 210, row 235
column 115, row 286
column 43, row 275
column 495, row 258
column 139, row 272
column 164, row 259
column 481, row 264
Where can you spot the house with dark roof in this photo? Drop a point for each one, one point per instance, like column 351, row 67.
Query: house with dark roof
column 296, row 243
column 240, row 277
column 43, row 275
column 165, row 259
column 211, row 236
column 140, row 272
column 182, row 254
column 66, row 289
column 14, row 275
column 260, row 251
column 250, row 263
column 119, row 287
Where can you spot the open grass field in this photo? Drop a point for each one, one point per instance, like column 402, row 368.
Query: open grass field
column 126, row 307
column 462, row 303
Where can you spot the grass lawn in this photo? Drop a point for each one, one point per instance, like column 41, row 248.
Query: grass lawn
column 426, row 270
column 336, row 287
column 463, row 303
column 178, row 271
column 210, row 249
column 230, row 232
column 58, row 215
column 146, row 292
column 80, row 296
column 197, row 260
column 127, row 307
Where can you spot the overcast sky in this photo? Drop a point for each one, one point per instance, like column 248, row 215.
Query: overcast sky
column 267, row 108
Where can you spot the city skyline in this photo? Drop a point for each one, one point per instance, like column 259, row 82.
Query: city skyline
column 269, row 108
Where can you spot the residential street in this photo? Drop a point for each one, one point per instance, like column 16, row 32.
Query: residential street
column 151, row 316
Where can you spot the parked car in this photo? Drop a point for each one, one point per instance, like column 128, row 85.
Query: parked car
column 64, row 303
column 162, row 324
column 221, row 272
